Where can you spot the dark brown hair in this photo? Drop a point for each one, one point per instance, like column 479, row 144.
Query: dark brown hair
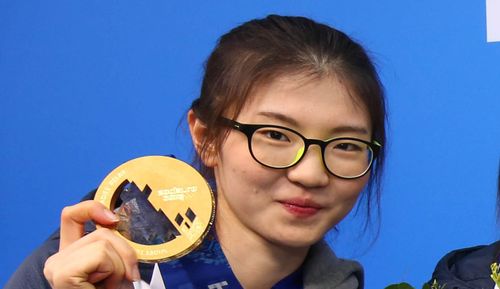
column 261, row 50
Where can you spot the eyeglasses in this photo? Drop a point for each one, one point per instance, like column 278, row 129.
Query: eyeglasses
column 280, row 147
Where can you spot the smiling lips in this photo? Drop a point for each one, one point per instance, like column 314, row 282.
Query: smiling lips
column 300, row 207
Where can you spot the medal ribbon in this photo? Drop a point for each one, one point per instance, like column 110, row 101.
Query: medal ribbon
column 208, row 268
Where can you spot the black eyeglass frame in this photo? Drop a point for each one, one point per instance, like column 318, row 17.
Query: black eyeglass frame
column 249, row 130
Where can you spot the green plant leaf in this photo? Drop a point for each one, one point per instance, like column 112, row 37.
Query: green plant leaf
column 403, row 285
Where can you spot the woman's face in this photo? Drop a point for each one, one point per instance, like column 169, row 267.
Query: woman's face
column 292, row 207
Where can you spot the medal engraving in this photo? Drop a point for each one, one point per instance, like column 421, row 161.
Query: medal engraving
column 165, row 206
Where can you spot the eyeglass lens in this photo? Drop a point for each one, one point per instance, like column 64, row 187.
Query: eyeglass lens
column 281, row 148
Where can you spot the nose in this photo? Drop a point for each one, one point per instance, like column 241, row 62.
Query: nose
column 310, row 171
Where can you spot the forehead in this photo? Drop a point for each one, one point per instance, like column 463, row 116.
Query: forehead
column 320, row 101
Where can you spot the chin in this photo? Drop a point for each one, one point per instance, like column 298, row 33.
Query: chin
column 297, row 241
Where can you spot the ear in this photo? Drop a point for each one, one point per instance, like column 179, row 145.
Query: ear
column 198, row 132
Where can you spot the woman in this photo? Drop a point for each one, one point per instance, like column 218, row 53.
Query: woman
column 289, row 126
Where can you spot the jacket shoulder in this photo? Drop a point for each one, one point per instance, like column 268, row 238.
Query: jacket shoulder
column 323, row 269
column 467, row 267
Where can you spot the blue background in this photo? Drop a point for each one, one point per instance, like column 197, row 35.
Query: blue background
column 87, row 85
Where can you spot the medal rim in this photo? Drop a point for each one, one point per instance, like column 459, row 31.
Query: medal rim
column 101, row 197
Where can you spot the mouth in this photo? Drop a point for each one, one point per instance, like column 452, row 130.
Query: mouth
column 301, row 208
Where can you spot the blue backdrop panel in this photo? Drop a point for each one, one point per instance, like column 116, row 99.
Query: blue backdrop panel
column 87, row 85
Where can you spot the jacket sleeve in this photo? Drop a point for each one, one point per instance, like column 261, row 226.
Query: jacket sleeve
column 30, row 274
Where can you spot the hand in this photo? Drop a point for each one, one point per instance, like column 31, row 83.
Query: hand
column 100, row 259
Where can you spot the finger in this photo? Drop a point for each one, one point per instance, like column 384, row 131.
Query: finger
column 73, row 220
column 94, row 263
column 126, row 285
column 108, row 266
column 126, row 253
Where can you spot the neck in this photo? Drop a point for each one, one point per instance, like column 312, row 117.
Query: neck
column 256, row 262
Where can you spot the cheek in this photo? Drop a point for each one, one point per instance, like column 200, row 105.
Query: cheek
column 345, row 197
column 240, row 172
column 351, row 189
column 249, row 179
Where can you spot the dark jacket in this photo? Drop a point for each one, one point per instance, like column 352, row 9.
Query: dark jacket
column 467, row 268
column 322, row 269
column 30, row 274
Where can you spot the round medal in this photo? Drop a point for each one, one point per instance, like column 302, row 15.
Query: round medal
column 165, row 206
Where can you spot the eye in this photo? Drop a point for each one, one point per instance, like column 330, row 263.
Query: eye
column 276, row 135
column 348, row 146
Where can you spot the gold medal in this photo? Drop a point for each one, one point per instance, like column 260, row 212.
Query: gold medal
column 166, row 207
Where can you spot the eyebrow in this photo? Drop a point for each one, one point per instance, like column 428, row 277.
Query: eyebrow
column 351, row 129
column 279, row 116
column 337, row 130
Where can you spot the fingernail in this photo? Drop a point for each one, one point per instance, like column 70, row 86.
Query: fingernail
column 137, row 284
column 136, row 276
column 126, row 285
column 111, row 216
